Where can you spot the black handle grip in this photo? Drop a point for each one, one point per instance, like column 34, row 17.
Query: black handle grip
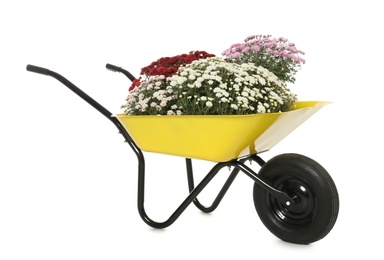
column 119, row 69
column 113, row 68
column 37, row 69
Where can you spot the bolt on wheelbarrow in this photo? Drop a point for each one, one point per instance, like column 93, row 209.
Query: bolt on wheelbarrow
column 294, row 196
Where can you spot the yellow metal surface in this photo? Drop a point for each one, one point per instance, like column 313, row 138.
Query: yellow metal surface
column 215, row 138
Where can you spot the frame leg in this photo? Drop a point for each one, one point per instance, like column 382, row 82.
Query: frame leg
column 226, row 186
column 193, row 194
column 221, row 194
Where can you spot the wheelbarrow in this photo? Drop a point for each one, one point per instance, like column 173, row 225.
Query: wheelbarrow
column 294, row 196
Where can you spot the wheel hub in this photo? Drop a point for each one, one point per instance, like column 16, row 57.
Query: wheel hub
column 303, row 209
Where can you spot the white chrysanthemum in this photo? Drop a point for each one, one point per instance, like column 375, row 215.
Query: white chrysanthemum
column 224, row 100
column 262, row 81
column 170, row 112
column 163, row 103
column 173, row 83
column 200, row 79
column 181, row 80
column 261, row 109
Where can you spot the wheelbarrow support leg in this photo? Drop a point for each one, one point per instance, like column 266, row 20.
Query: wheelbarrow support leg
column 191, row 197
column 221, row 194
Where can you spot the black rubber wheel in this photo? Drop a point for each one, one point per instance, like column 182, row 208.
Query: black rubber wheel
column 313, row 190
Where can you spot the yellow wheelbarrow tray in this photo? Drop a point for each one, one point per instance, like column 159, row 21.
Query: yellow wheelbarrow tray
column 216, row 138
column 294, row 196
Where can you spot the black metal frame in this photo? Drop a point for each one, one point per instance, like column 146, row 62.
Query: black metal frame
column 237, row 164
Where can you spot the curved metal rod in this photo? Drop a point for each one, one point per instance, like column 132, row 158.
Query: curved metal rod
column 279, row 195
column 192, row 195
column 220, row 195
column 225, row 187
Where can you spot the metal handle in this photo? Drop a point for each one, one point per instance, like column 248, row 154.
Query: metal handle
column 119, row 69
column 91, row 102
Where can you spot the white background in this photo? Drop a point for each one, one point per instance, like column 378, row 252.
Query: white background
column 68, row 183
